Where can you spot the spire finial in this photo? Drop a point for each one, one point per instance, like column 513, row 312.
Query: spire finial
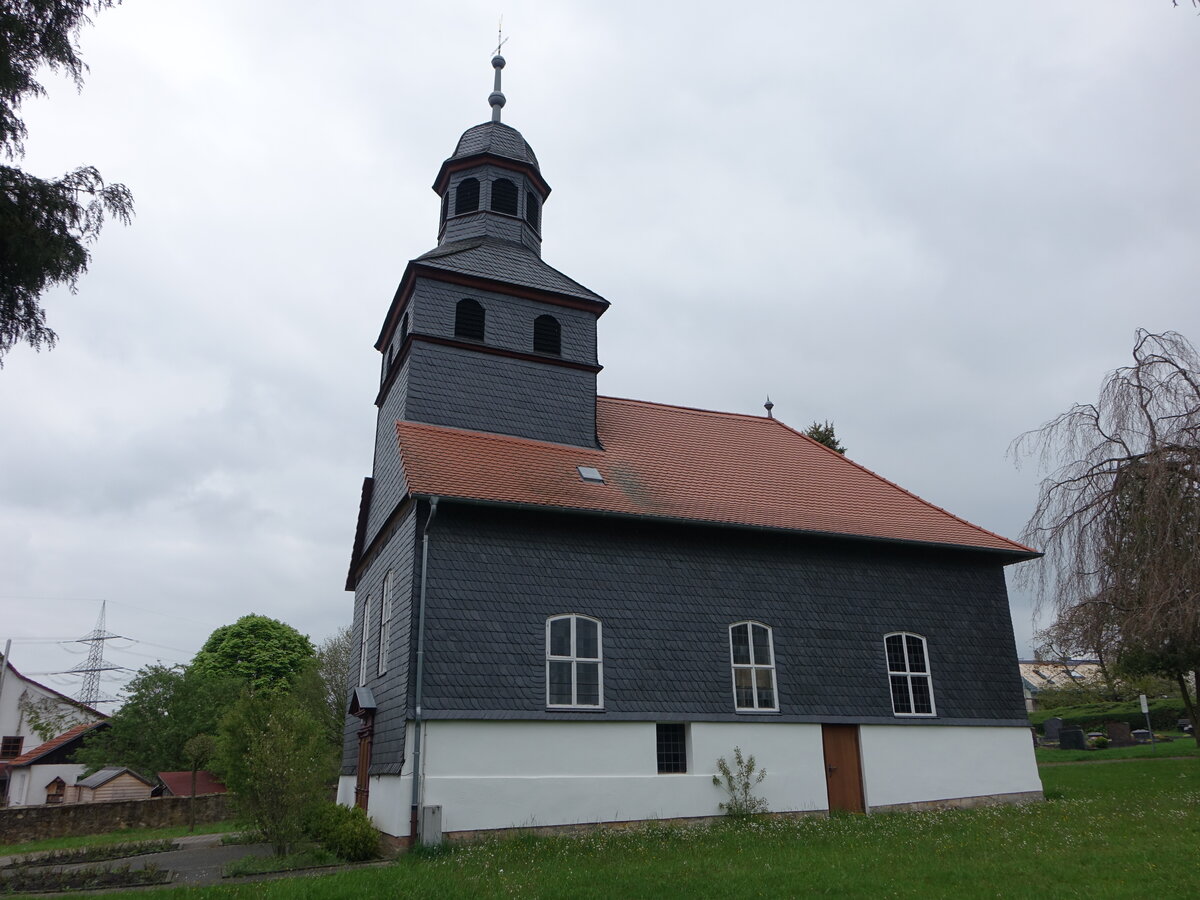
column 496, row 99
column 768, row 406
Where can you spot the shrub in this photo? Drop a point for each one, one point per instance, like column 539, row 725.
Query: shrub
column 344, row 831
column 1099, row 743
column 739, row 783
column 1093, row 716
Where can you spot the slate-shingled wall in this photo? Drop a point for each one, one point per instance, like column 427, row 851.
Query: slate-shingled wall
column 666, row 596
column 391, row 689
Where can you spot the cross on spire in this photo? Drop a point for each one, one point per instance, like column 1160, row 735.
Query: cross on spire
column 496, row 98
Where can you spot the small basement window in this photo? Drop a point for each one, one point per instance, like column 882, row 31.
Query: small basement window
column 589, row 473
column 672, row 748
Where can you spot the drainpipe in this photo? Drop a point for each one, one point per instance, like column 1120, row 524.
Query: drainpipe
column 420, row 675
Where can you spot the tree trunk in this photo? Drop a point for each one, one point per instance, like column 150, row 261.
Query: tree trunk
column 1188, row 704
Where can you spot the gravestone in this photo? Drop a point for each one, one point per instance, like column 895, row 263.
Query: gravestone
column 1141, row 736
column 1051, row 728
column 1071, row 739
column 1118, row 734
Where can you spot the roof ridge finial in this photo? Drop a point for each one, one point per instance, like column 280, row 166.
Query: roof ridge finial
column 768, row 406
column 496, row 98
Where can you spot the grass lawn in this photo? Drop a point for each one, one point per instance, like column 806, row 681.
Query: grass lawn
column 1127, row 830
column 126, row 836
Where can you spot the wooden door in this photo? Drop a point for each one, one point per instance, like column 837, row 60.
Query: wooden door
column 366, row 736
column 843, row 769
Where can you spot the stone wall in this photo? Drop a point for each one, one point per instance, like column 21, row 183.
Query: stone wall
column 21, row 824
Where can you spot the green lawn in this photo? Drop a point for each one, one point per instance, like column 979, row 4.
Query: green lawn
column 1128, row 830
column 126, row 836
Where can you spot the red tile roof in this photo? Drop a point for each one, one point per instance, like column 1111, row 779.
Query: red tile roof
column 677, row 463
column 66, row 737
column 180, row 783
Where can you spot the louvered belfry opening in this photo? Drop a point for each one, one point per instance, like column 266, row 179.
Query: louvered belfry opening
column 547, row 335
column 466, row 196
column 469, row 320
column 532, row 210
column 504, row 196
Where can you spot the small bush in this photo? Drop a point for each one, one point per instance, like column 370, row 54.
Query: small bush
column 739, row 783
column 1099, row 743
column 344, row 831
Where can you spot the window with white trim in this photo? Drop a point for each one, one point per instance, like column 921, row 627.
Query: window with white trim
column 752, row 653
column 385, row 622
column 908, row 674
column 362, row 650
column 574, row 662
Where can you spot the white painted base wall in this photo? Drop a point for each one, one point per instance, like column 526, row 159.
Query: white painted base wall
column 27, row 785
column 488, row 774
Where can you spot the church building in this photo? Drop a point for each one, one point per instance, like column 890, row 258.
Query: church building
column 567, row 607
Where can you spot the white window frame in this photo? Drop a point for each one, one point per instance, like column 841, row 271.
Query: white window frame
column 574, row 659
column 385, row 623
column 754, row 667
column 909, row 674
column 362, row 650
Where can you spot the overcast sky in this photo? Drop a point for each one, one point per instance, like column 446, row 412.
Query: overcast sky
column 936, row 224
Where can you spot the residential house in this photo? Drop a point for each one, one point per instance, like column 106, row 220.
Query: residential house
column 45, row 773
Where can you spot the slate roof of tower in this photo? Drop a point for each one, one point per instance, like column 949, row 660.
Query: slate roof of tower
column 677, row 463
column 505, row 261
column 497, row 139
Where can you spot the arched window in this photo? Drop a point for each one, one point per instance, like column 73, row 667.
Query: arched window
column 547, row 335
column 908, row 674
column 403, row 328
column 574, row 662
column 385, row 622
column 466, row 196
column 362, row 647
column 504, row 196
column 752, row 653
column 532, row 207
column 469, row 320
column 445, row 204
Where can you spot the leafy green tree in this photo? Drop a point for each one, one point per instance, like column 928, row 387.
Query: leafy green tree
column 333, row 667
column 46, row 225
column 265, row 653
column 163, row 708
column 275, row 759
column 822, row 433
column 197, row 750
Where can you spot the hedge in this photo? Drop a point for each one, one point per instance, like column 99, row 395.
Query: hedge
column 1164, row 714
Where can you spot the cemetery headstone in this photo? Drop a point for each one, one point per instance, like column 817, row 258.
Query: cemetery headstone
column 1141, row 736
column 1071, row 739
column 1118, row 734
column 1051, row 728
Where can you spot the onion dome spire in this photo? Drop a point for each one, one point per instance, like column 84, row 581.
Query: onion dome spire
column 496, row 98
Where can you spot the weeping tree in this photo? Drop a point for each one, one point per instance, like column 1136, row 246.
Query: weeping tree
column 1118, row 513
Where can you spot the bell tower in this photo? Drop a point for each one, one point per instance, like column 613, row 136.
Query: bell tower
column 482, row 334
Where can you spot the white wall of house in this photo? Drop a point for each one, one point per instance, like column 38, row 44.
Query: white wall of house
column 905, row 764
column 27, row 784
column 502, row 774
column 14, row 722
